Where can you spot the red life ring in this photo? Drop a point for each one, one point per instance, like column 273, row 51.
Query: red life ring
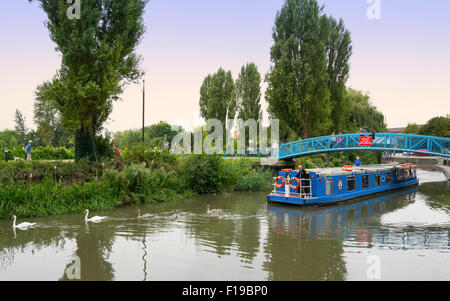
column 347, row 169
column 298, row 183
column 279, row 185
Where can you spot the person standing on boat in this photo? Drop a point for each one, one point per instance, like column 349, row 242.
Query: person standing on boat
column 357, row 162
column 302, row 175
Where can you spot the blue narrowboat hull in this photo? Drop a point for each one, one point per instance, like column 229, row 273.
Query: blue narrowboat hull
column 294, row 200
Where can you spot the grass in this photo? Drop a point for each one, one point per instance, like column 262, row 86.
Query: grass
column 140, row 177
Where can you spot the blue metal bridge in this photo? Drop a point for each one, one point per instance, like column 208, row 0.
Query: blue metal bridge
column 428, row 145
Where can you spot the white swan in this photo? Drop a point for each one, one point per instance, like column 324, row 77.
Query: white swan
column 22, row 225
column 213, row 211
column 95, row 218
column 147, row 215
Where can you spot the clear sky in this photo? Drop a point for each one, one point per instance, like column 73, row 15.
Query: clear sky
column 402, row 60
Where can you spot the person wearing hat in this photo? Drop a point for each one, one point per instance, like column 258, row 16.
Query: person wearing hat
column 28, row 150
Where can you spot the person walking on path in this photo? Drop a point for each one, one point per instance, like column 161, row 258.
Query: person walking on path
column 28, row 150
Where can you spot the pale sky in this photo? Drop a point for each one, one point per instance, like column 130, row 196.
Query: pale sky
column 402, row 60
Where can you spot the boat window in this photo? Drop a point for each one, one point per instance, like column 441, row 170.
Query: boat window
column 365, row 181
column 388, row 177
column 350, row 183
column 329, row 187
column 377, row 179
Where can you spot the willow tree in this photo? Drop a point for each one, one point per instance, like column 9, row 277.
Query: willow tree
column 297, row 90
column 362, row 114
column 98, row 60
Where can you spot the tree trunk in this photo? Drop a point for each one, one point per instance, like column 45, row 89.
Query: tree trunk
column 85, row 144
column 305, row 129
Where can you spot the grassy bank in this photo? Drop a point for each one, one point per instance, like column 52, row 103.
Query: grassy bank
column 139, row 177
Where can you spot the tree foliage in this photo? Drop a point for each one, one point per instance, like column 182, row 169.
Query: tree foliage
column 412, row 128
column 297, row 90
column 338, row 51
column 154, row 136
column 98, row 60
column 248, row 93
column 437, row 126
column 50, row 129
column 20, row 127
column 362, row 114
column 217, row 99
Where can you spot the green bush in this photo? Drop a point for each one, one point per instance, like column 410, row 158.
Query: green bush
column 152, row 158
column 65, row 172
column 202, row 173
column 42, row 153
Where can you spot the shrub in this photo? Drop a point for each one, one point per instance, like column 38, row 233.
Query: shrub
column 153, row 158
column 202, row 173
column 43, row 153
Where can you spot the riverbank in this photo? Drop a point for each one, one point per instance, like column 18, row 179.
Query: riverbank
column 138, row 177
column 446, row 170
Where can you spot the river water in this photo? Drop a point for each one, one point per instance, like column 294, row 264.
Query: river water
column 404, row 235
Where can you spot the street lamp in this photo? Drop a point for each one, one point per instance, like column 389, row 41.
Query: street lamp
column 143, row 111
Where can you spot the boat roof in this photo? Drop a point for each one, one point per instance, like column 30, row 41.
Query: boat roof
column 354, row 169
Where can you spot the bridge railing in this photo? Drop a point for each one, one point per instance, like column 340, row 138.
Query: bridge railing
column 430, row 145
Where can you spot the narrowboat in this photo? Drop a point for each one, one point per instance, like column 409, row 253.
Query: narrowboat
column 327, row 186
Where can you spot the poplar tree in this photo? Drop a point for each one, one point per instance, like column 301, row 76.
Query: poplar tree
column 217, row 100
column 98, row 60
column 298, row 81
column 338, row 52
column 248, row 93
column 20, row 127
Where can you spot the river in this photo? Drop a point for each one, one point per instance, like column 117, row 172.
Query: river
column 404, row 235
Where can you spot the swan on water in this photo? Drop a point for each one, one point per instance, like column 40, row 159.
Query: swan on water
column 213, row 211
column 22, row 225
column 147, row 215
column 93, row 219
column 180, row 213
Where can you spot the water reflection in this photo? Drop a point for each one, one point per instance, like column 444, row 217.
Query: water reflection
column 257, row 240
column 334, row 221
column 307, row 243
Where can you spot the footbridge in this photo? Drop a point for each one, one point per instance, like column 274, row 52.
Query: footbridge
column 417, row 144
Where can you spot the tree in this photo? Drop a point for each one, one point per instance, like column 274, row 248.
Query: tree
column 217, row 100
column 7, row 139
column 297, row 90
column 412, row 128
column 160, row 130
column 50, row 129
column 338, row 51
column 98, row 60
column 437, row 126
column 154, row 136
column 248, row 93
column 20, row 127
column 362, row 114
